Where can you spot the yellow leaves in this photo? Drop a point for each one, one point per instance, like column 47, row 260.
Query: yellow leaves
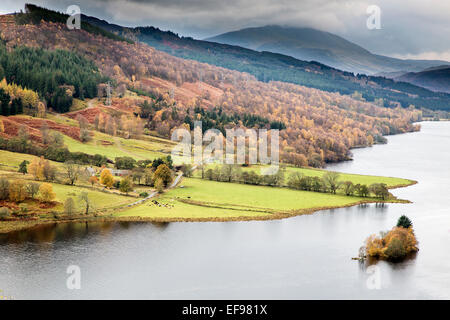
column 17, row 191
column 106, row 178
column 46, row 193
column 377, row 246
column 36, row 168
column 41, row 110
column 29, row 97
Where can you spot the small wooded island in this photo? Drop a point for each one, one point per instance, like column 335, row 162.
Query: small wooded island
column 394, row 245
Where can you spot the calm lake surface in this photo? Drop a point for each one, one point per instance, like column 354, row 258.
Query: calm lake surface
column 306, row 257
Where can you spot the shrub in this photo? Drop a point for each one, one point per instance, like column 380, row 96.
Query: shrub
column 46, row 192
column 395, row 250
column 5, row 212
column 143, row 194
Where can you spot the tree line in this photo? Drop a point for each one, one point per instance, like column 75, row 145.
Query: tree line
column 329, row 182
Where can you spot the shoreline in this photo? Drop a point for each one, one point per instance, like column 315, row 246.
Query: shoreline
column 275, row 216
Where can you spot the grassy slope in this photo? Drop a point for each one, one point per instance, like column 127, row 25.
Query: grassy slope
column 99, row 199
column 119, row 147
column 225, row 200
column 10, row 161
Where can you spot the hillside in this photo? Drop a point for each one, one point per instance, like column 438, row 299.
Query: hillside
column 315, row 45
column 436, row 79
column 155, row 92
column 268, row 66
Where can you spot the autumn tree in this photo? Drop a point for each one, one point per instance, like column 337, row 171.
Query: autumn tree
column 36, row 168
column 46, row 192
column 126, row 185
column 106, row 178
column 72, row 171
column 48, row 170
column 32, row 189
column 4, row 188
column 159, row 185
column 164, row 174
column 93, row 180
column 17, row 191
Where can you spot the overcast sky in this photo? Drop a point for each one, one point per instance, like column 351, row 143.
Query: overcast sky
column 409, row 28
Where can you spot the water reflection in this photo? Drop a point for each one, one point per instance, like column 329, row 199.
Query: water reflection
column 67, row 231
column 305, row 257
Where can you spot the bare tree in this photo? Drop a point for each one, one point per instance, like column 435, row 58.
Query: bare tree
column 73, row 171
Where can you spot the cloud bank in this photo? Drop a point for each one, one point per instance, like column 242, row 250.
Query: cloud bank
column 409, row 28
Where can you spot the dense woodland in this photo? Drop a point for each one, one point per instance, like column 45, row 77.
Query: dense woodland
column 316, row 126
column 53, row 74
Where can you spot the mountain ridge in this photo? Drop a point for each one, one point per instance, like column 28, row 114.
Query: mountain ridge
column 325, row 47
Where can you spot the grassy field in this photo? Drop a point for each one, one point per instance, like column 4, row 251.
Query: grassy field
column 209, row 199
column 113, row 147
column 355, row 178
column 313, row 172
column 9, row 161
column 100, row 200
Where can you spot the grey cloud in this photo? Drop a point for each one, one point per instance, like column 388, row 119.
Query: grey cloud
column 409, row 27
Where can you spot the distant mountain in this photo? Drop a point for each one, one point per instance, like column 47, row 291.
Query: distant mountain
column 435, row 79
column 268, row 66
column 314, row 45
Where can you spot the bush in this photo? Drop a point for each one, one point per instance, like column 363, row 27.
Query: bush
column 395, row 250
column 4, row 212
column 143, row 194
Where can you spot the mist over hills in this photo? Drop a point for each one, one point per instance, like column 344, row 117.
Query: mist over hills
column 269, row 66
column 325, row 47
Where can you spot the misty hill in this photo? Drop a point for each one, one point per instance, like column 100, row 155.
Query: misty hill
column 268, row 66
column 436, row 79
column 327, row 48
column 264, row 66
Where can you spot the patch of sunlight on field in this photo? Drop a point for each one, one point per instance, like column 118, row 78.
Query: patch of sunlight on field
column 217, row 199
